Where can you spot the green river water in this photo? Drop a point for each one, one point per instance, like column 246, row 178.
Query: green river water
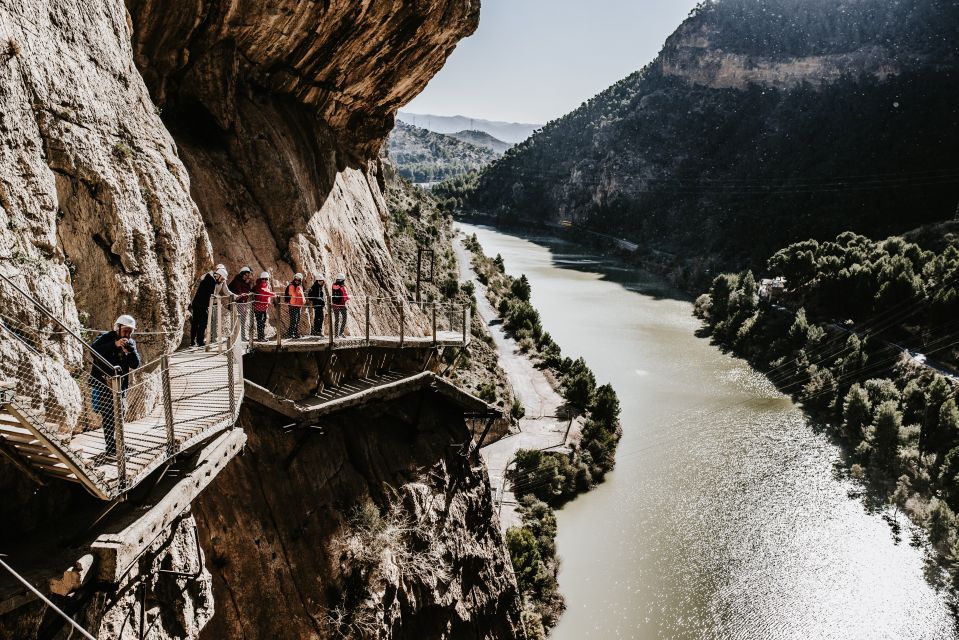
column 728, row 514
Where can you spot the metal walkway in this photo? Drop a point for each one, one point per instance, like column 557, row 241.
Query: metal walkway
column 48, row 425
column 355, row 393
column 378, row 322
column 50, row 428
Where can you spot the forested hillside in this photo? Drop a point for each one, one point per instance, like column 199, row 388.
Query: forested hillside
column 482, row 139
column 864, row 335
column 762, row 121
column 425, row 156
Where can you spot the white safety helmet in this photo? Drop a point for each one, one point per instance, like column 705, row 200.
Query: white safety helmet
column 246, row 270
column 222, row 273
column 297, row 276
column 341, row 276
column 219, row 266
column 265, row 275
column 125, row 321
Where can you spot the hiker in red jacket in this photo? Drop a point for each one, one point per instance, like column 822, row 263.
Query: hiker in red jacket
column 338, row 299
column 262, row 295
column 295, row 299
column 241, row 286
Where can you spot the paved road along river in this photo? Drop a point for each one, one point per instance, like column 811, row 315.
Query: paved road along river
column 728, row 515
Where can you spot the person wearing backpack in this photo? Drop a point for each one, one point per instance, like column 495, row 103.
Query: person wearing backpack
column 338, row 299
column 317, row 298
column 296, row 300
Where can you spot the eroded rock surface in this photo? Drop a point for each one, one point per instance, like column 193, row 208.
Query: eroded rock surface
column 299, row 531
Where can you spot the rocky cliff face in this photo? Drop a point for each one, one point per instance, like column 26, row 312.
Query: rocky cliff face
column 140, row 144
column 279, row 111
column 95, row 209
column 376, row 527
column 276, row 112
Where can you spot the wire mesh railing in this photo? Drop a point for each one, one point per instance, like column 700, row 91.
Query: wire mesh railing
column 365, row 320
column 109, row 431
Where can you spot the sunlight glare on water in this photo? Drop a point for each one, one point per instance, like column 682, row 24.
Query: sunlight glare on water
column 728, row 515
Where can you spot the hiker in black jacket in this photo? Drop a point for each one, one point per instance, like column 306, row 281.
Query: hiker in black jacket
column 317, row 298
column 200, row 307
column 119, row 349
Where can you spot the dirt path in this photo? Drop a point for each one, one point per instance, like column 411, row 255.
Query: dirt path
column 540, row 428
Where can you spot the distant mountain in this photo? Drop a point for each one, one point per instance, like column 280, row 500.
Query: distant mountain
column 482, row 139
column 761, row 122
column 424, row 156
column 512, row 132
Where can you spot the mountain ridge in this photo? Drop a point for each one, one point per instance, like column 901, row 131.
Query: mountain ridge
column 723, row 155
column 512, row 132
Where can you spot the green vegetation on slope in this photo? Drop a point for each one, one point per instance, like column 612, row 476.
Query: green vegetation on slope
column 544, row 479
column 425, row 156
column 552, row 476
column 895, row 411
column 724, row 176
column 417, row 221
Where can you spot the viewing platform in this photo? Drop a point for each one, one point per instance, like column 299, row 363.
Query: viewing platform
column 372, row 322
column 50, row 429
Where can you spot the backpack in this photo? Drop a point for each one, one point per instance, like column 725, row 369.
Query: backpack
column 336, row 296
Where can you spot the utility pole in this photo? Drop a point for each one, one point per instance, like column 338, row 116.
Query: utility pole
column 419, row 268
column 956, row 217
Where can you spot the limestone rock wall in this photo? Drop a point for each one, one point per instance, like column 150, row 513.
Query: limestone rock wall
column 691, row 54
column 280, row 110
column 95, row 208
column 377, row 527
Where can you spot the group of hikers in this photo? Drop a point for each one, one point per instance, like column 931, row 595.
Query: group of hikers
column 117, row 349
column 258, row 295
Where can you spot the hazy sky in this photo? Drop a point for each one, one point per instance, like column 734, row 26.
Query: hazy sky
column 534, row 60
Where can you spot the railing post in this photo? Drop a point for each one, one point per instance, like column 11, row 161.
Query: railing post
column 276, row 323
column 117, row 392
column 331, row 323
column 219, row 326
column 465, row 321
column 434, row 323
column 251, row 318
column 231, row 374
column 367, row 321
column 168, row 405
column 402, row 321
column 208, row 330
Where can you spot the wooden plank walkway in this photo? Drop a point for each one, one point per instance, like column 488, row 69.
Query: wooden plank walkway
column 356, row 393
column 201, row 407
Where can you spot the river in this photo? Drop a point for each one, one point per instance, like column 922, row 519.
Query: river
column 728, row 515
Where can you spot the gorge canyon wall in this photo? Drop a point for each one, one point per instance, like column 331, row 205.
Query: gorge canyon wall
column 142, row 143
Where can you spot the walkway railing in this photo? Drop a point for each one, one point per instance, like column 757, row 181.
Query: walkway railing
column 367, row 320
column 166, row 406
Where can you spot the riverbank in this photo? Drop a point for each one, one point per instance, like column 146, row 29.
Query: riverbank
column 729, row 513
column 569, row 428
column 544, row 423
column 893, row 410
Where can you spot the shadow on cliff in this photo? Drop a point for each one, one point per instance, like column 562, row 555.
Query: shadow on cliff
column 277, row 525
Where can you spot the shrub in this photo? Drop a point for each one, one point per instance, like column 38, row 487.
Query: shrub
column 517, row 411
column 487, row 392
column 521, row 289
column 856, row 412
column 579, row 389
column 605, row 405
